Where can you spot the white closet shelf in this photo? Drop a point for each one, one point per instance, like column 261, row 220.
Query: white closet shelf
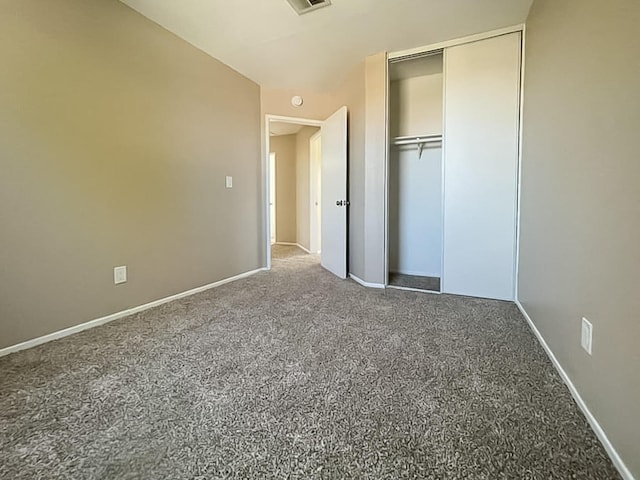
column 419, row 140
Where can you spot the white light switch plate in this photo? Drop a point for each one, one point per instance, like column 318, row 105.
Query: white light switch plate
column 120, row 275
column 229, row 181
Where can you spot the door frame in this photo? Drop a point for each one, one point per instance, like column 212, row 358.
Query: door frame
column 314, row 234
column 267, row 172
column 273, row 158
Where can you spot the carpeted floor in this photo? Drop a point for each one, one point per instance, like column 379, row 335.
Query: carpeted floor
column 296, row 374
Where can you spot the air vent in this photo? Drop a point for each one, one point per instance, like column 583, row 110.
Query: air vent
column 306, row 6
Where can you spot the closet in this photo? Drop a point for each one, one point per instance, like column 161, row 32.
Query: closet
column 415, row 172
column 453, row 168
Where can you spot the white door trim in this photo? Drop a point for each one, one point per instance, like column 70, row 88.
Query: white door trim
column 266, row 174
column 272, row 198
column 387, row 159
column 520, row 143
column 313, row 173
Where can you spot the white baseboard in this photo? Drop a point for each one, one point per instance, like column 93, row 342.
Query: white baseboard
column 291, row 244
column 602, row 436
column 302, row 248
column 366, row 284
column 114, row 316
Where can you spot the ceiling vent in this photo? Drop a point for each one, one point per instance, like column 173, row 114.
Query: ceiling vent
column 306, row 6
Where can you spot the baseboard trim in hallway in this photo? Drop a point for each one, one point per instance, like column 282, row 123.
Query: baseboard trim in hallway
column 597, row 428
column 115, row 316
column 293, row 245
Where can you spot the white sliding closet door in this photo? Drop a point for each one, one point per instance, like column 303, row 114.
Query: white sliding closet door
column 482, row 96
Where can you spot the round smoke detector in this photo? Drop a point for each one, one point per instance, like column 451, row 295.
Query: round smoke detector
column 296, row 101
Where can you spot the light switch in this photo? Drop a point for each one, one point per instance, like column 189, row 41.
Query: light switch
column 229, row 181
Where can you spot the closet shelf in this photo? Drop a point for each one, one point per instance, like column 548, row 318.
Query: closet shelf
column 419, row 140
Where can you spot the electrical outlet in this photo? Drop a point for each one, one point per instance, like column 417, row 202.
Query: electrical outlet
column 587, row 334
column 229, row 181
column 120, row 275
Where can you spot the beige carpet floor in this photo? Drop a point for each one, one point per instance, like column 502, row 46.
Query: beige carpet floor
column 294, row 374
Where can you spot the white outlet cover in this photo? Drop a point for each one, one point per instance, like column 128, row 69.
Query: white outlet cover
column 229, row 181
column 120, row 274
column 586, row 335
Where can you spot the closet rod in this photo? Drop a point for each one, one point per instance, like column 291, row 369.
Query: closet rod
column 417, row 140
column 411, row 140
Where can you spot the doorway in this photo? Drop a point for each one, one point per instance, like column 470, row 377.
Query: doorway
column 306, row 188
column 293, row 194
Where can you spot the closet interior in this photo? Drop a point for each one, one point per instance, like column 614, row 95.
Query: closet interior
column 415, row 219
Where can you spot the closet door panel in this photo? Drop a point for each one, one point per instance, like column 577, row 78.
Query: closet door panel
column 482, row 93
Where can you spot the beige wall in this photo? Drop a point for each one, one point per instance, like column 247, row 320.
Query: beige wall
column 115, row 138
column 284, row 146
column 316, row 105
column 580, row 214
column 375, row 145
column 303, row 207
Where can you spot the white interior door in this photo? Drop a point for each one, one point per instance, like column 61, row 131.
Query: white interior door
column 482, row 92
column 272, row 196
column 315, row 193
column 334, row 193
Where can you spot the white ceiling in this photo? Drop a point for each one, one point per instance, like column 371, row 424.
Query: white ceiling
column 269, row 43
